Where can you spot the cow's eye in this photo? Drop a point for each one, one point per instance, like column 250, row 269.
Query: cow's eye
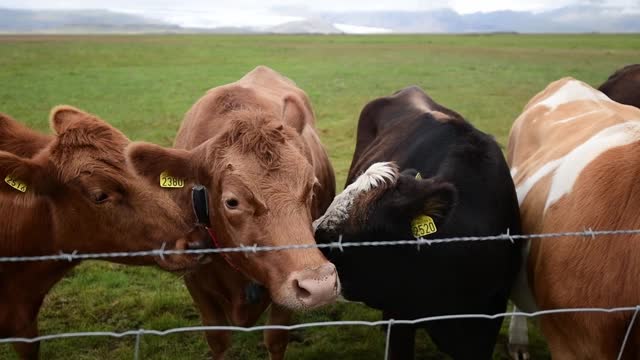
column 231, row 203
column 99, row 197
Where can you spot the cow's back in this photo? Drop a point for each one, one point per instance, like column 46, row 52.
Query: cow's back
column 560, row 131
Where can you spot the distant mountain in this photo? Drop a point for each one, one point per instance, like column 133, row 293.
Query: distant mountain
column 72, row 21
column 585, row 18
column 582, row 18
column 305, row 27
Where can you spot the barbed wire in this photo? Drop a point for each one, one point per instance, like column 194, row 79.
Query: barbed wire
column 75, row 255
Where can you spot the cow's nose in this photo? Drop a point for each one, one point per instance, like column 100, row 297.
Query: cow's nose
column 199, row 244
column 316, row 287
column 198, row 239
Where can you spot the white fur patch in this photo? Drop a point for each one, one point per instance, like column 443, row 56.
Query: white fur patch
column 580, row 157
column 514, row 172
column 378, row 174
column 573, row 90
column 528, row 184
column 570, row 119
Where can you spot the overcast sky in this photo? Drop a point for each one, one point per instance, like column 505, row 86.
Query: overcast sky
column 211, row 13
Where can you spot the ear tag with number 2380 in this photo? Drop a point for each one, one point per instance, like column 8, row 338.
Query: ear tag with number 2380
column 15, row 183
column 168, row 181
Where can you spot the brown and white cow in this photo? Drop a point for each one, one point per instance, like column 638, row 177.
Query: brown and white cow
column 623, row 86
column 572, row 154
column 253, row 144
column 75, row 193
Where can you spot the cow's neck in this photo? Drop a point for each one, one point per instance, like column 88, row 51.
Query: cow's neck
column 27, row 230
column 27, row 283
column 26, row 226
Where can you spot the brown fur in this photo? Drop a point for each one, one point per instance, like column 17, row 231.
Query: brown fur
column 12, row 134
column 623, row 86
column 255, row 141
column 580, row 272
column 57, row 213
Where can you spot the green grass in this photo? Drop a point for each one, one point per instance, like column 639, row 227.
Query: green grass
column 144, row 85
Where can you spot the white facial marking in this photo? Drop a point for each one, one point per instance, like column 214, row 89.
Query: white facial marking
column 572, row 90
column 378, row 174
column 574, row 163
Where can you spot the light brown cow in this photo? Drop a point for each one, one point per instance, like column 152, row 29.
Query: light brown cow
column 75, row 194
column 572, row 154
column 253, row 144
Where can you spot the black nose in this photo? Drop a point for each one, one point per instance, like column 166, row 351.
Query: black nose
column 199, row 239
column 199, row 244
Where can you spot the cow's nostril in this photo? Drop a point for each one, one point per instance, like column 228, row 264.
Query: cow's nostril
column 301, row 292
column 197, row 245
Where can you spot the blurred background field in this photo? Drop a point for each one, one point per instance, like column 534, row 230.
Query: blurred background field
column 144, row 84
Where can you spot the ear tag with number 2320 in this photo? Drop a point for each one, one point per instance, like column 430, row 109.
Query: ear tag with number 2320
column 168, row 181
column 422, row 225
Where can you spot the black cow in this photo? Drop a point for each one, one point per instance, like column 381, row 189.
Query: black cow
column 456, row 175
column 623, row 86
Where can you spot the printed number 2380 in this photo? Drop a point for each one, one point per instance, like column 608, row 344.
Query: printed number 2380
column 168, row 181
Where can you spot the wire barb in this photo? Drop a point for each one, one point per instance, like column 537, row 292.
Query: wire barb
column 164, row 244
column 509, row 237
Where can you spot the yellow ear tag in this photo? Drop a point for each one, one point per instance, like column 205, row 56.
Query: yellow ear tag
column 423, row 225
column 15, row 183
column 168, row 181
column 418, row 176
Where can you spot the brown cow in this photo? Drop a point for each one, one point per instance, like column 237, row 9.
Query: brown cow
column 623, row 86
column 78, row 195
column 253, row 144
column 572, row 156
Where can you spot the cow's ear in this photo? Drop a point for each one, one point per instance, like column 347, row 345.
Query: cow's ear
column 294, row 113
column 417, row 196
column 151, row 161
column 439, row 199
column 22, row 175
column 64, row 116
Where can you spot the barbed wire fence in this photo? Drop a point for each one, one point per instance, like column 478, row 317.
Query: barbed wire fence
column 587, row 234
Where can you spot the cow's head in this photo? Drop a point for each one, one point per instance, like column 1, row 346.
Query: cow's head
column 384, row 201
column 95, row 203
column 261, row 186
column 379, row 205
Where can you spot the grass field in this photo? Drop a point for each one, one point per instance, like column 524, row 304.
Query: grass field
column 144, row 84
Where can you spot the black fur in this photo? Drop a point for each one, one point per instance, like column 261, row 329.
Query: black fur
column 467, row 189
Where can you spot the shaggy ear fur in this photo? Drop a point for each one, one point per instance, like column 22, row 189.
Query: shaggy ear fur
column 150, row 160
column 22, row 170
column 413, row 197
column 63, row 116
